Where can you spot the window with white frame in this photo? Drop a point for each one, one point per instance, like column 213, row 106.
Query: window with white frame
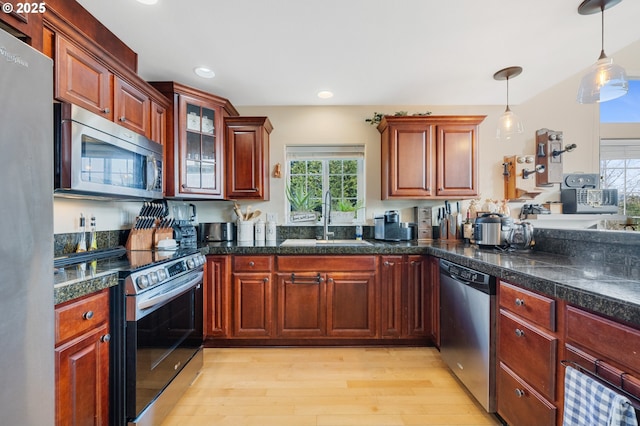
column 620, row 169
column 312, row 170
column 620, row 157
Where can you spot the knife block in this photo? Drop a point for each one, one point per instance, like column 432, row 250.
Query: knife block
column 140, row 239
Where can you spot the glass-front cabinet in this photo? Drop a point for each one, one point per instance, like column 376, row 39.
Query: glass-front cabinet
column 195, row 142
column 201, row 169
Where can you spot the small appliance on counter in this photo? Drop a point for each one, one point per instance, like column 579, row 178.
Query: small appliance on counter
column 521, row 236
column 389, row 228
column 217, row 231
column 183, row 230
column 492, row 229
column 580, row 193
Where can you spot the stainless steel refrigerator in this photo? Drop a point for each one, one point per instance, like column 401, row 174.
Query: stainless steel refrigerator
column 26, row 235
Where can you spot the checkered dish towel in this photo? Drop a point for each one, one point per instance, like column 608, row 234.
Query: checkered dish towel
column 589, row 403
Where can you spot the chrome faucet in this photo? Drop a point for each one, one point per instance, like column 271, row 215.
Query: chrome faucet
column 327, row 214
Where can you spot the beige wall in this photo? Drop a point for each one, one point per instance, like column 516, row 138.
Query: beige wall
column 555, row 109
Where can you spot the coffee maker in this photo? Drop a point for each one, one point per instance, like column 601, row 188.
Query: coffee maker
column 389, row 227
column 183, row 230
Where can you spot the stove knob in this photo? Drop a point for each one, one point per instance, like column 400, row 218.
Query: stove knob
column 153, row 277
column 203, row 259
column 142, row 281
column 162, row 274
column 190, row 264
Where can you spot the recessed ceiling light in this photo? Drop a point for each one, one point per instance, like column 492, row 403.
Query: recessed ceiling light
column 148, row 1
column 325, row 94
column 204, row 72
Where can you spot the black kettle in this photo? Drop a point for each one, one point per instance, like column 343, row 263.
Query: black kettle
column 521, row 236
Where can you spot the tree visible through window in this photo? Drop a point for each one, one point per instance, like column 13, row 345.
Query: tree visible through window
column 314, row 170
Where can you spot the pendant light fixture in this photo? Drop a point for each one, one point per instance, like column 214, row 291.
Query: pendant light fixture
column 605, row 80
column 509, row 123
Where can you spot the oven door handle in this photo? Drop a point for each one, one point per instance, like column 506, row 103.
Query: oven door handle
column 171, row 294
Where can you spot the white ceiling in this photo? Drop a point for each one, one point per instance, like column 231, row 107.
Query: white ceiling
column 368, row 52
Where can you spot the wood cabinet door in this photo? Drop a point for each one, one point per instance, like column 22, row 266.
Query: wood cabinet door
column 301, row 305
column 247, row 157
column 252, row 305
column 217, row 303
column 199, row 149
column 81, row 80
column 351, row 301
column 131, row 107
column 391, row 301
column 418, row 297
column 457, row 160
column 82, row 380
column 407, row 161
column 158, row 123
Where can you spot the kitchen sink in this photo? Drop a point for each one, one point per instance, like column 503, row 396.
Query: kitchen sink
column 302, row 242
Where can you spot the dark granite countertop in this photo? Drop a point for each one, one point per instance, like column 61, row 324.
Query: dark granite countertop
column 591, row 284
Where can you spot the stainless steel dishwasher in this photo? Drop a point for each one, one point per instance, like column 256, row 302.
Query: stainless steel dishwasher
column 467, row 329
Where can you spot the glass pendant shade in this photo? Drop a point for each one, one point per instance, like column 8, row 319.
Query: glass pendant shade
column 603, row 82
column 509, row 125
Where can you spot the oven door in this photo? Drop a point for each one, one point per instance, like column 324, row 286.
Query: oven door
column 160, row 343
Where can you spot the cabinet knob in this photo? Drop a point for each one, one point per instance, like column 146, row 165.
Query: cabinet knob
column 519, row 302
column 519, row 333
column 439, row 189
column 386, row 263
column 106, row 111
column 519, row 393
column 252, row 264
column 106, row 338
column 87, row 315
column 265, row 280
column 123, row 119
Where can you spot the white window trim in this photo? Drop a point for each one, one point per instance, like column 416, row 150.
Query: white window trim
column 327, row 151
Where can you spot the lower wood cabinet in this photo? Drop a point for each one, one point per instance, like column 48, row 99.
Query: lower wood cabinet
column 528, row 364
column 82, row 360
column 406, row 296
column 326, row 297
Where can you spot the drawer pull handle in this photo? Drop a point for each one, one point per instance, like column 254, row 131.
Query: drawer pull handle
column 252, row 264
column 519, row 302
column 306, row 280
column 87, row 315
column 106, row 338
column 519, row 333
column 519, row 393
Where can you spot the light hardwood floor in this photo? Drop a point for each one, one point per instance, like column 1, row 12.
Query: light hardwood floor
column 326, row 387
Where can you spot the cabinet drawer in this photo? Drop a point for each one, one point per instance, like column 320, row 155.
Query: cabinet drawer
column 252, row 263
column 326, row 263
column 530, row 352
column 604, row 337
column 538, row 309
column 78, row 317
column 519, row 404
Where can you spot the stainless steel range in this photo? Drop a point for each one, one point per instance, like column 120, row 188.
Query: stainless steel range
column 156, row 327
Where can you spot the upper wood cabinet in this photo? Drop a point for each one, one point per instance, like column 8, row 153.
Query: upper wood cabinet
column 429, row 156
column 25, row 26
column 82, row 79
column 194, row 160
column 247, row 157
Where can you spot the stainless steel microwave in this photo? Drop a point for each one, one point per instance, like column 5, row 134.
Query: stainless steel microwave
column 95, row 157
